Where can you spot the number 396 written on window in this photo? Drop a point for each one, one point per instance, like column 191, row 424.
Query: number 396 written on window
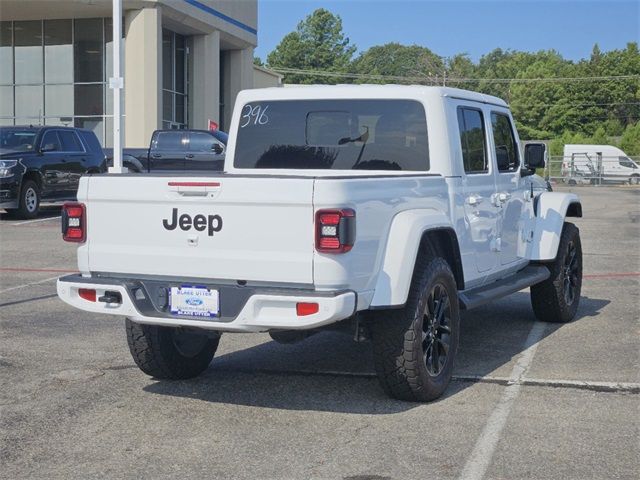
column 254, row 115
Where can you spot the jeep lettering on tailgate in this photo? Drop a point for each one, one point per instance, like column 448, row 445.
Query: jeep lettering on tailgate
column 212, row 223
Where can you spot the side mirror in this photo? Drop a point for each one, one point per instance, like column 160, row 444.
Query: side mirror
column 534, row 156
column 217, row 148
column 49, row 147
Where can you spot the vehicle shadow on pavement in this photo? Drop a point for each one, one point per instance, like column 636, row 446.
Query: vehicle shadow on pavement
column 330, row 372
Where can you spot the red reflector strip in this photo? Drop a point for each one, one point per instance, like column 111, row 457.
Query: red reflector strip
column 329, row 242
column 303, row 309
column 194, row 184
column 87, row 294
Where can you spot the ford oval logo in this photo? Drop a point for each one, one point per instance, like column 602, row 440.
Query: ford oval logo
column 193, row 301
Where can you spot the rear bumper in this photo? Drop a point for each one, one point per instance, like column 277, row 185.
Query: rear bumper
column 242, row 309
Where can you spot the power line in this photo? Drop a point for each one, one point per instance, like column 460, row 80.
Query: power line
column 585, row 104
column 322, row 73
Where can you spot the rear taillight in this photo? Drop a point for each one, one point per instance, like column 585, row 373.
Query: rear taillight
column 74, row 222
column 335, row 230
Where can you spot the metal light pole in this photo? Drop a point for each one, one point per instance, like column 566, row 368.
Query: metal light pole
column 116, row 83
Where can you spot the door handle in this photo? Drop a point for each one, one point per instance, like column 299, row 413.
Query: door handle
column 188, row 155
column 474, row 200
column 156, row 155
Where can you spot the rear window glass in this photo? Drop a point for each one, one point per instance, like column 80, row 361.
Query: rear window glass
column 333, row 134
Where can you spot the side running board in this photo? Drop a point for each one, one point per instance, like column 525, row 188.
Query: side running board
column 526, row 277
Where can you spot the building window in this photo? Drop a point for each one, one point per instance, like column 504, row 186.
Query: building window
column 55, row 72
column 174, row 80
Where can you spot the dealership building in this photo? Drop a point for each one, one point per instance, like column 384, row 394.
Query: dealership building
column 184, row 63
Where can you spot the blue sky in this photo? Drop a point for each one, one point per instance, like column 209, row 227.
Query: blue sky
column 473, row 26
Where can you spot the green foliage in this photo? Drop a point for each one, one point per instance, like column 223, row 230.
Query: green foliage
column 258, row 61
column 317, row 44
column 396, row 60
column 589, row 109
column 600, row 137
column 630, row 141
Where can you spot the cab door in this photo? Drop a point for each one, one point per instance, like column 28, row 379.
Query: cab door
column 478, row 188
column 168, row 149
column 53, row 165
column 510, row 192
column 205, row 152
column 75, row 157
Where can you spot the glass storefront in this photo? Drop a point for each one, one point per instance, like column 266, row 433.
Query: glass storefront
column 55, row 72
column 174, row 80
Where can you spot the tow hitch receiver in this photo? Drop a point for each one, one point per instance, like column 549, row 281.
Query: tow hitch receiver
column 110, row 297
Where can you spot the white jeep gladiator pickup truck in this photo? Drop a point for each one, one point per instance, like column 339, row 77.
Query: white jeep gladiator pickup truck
column 385, row 210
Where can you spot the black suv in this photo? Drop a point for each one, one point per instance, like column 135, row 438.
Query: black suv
column 44, row 163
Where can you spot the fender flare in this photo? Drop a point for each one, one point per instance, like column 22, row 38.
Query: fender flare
column 551, row 209
column 400, row 254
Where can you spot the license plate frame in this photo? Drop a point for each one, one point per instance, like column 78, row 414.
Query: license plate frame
column 195, row 301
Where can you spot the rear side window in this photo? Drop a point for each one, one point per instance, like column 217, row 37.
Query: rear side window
column 333, row 134
column 506, row 147
column 473, row 140
column 169, row 141
column 51, row 140
column 70, row 141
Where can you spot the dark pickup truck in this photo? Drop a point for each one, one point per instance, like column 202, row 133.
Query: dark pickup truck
column 44, row 163
column 176, row 150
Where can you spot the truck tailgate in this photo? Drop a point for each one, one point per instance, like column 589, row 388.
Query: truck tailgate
column 225, row 227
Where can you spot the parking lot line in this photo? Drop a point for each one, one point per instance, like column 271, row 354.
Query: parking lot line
column 482, row 453
column 35, row 221
column 29, row 284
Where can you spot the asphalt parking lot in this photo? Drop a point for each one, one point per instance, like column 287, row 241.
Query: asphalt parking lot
column 529, row 400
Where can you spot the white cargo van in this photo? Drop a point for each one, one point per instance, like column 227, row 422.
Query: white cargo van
column 598, row 163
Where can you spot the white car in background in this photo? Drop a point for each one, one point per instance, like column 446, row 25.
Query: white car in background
column 595, row 163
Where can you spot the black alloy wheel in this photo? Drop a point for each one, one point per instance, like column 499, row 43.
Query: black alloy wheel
column 436, row 329
column 571, row 273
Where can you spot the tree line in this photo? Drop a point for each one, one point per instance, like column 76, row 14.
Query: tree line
column 594, row 100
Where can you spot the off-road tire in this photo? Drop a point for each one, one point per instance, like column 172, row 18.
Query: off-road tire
column 549, row 298
column 28, row 201
column 154, row 350
column 397, row 336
